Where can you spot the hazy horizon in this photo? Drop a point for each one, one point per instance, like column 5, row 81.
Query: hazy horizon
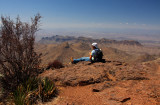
column 100, row 17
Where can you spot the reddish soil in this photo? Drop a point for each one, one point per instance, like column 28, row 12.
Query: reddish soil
column 123, row 84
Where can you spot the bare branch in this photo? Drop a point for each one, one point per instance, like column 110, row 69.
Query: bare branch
column 18, row 59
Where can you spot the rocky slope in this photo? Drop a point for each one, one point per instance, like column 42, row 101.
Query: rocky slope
column 109, row 83
column 62, row 48
column 64, row 51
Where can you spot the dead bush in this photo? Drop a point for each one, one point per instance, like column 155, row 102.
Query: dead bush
column 55, row 65
column 18, row 59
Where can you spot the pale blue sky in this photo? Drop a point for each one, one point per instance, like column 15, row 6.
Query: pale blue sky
column 113, row 15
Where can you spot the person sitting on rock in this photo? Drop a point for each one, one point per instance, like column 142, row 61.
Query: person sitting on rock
column 95, row 55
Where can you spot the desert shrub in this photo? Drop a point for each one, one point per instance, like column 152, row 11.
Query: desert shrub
column 34, row 89
column 18, row 59
column 55, row 65
column 26, row 92
column 19, row 96
column 47, row 89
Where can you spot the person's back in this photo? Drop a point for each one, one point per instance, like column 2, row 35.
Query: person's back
column 97, row 55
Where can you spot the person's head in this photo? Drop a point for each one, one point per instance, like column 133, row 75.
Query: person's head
column 94, row 45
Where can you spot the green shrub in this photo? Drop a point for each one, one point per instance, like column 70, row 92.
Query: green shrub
column 20, row 95
column 34, row 89
column 47, row 90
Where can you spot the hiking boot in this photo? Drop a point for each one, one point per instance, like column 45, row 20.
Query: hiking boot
column 72, row 61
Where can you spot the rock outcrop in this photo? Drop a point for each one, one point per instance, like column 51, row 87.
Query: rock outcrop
column 86, row 73
column 109, row 83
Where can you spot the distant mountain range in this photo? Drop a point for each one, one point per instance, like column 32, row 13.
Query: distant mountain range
column 71, row 39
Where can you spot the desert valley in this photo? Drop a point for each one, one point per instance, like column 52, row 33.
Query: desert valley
column 129, row 75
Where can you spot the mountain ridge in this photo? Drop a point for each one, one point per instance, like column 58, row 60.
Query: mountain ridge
column 60, row 39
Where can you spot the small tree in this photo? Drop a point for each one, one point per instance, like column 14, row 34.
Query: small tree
column 18, row 59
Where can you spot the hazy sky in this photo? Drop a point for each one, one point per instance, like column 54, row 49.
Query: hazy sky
column 113, row 15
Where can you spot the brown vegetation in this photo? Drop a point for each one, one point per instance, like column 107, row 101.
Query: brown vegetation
column 18, row 59
column 55, row 65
